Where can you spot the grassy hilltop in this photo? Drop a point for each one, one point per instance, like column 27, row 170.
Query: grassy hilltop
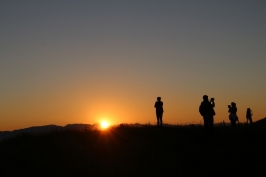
column 137, row 151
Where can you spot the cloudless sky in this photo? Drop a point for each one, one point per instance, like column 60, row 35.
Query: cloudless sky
column 77, row 61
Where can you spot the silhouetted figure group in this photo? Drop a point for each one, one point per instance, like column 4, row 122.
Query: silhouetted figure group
column 206, row 110
column 159, row 111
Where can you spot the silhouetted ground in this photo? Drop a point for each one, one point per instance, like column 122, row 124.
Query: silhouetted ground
column 132, row 151
column 261, row 122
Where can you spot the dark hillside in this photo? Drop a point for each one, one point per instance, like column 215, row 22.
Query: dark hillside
column 137, row 151
column 261, row 122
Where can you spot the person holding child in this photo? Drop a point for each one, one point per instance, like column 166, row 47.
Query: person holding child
column 232, row 109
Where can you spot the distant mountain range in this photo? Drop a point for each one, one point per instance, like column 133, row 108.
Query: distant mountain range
column 81, row 127
column 47, row 129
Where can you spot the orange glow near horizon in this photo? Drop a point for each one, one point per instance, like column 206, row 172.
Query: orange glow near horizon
column 178, row 110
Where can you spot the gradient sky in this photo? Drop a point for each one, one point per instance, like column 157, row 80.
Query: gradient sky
column 77, row 61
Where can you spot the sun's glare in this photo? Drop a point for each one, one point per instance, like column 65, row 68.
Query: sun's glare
column 104, row 124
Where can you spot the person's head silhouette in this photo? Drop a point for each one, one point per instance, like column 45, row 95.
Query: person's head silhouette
column 205, row 97
column 233, row 104
column 158, row 98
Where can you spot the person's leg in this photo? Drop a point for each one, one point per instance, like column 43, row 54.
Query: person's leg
column 161, row 119
column 205, row 120
column 158, row 119
column 211, row 124
column 232, row 123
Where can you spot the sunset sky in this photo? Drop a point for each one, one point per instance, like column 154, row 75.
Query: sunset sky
column 77, row 61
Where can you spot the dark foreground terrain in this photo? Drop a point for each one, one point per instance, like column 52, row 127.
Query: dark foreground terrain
column 143, row 151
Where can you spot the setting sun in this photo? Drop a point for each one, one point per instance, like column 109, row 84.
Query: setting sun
column 104, row 125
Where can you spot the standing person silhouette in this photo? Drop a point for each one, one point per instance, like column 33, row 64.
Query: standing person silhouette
column 249, row 115
column 159, row 111
column 207, row 112
column 232, row 116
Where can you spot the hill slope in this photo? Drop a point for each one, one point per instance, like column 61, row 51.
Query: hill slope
column 261, row 122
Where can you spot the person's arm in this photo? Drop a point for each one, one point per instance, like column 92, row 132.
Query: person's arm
column 201, row 109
